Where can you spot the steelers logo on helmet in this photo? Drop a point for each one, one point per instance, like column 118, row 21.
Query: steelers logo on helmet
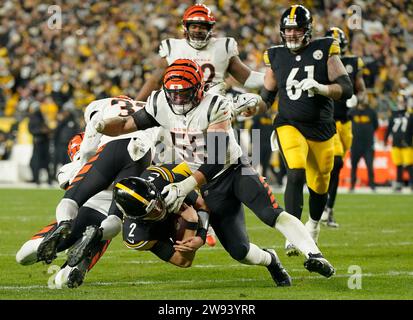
column 139, row 199
column 296, row 27
column 198, row 22
column 73, row 147
column 340, row 36
column 183, row 85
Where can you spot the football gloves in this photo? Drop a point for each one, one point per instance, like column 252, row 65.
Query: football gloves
column 246, row 104
column 313, row 87
column 177, row 192
column 352, row 102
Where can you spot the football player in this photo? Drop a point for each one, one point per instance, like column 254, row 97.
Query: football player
column 94, row 211
column 399, row 129
column 115, row 158
column 216, row 56
column 343, row 137
column 308, row 75
column 200, row 133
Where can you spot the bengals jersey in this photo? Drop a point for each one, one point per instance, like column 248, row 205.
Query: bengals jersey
column 136, row 234
column 310, row 113
column 108, row 108
column 213, row 59
column 353, row 66
column 185, row 136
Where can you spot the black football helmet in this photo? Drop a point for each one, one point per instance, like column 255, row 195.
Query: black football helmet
column 340, row 36
column 139, row 199
column 296, row 17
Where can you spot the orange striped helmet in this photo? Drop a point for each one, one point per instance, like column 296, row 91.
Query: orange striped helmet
column 74, row 145
column 183, row 85
column 198, row 14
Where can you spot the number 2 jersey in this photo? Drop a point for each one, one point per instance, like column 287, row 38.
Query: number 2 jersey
column 213, row 59
column 310, row 113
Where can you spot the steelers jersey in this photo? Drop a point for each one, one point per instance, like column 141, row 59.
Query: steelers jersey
column 213, row 59
column 310, row 113
column 184, row 137
column 353, row 65
column 398, row 128
column 136, row 234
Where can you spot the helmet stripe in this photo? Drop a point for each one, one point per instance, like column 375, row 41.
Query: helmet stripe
column 132, row 193
column 292, row 12
column 335, row 33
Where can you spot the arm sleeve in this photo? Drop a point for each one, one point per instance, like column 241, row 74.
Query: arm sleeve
column 144, row 120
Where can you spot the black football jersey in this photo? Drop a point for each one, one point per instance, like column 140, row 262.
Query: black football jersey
column 398, row 128
column 137, row 233
column 353, row 65
column 310, row 113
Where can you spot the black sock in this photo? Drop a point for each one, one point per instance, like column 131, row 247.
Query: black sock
column 293, row 196
column 317, row 203
column 334, row 180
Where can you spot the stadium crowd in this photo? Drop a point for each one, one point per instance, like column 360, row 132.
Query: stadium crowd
column 107, row 48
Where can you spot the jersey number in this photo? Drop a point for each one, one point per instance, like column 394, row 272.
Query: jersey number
column 293, row 90
column 132, row 227
column 400, row 123
column 209, row 72
column 125, row 106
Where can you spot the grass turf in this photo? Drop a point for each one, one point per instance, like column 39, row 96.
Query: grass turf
column 374, row 235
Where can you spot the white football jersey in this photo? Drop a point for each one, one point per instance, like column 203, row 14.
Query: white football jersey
column 213, row 59
column 183, row 137
column 108, row 108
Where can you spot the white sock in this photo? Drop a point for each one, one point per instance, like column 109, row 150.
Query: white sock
column 111, row 226
column 313, row 228
column 66, row 210
column 257, row 256
column 296, row 233
column 28, row 252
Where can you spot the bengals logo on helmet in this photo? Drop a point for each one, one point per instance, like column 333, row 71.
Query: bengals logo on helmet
column 183, row 85
column 198, row 36
column 74, row 145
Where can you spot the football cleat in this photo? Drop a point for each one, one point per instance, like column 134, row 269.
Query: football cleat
column 82, row 248
column 317, row 263
column 324, row 216
column 210, row 239
column 291, row 250
column 78, row 273
column 277, row 271
column 48, row 248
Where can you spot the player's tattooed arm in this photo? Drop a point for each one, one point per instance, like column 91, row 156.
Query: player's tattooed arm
column 268, row 92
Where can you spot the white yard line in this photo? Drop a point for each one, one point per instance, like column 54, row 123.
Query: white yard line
column 174, row 282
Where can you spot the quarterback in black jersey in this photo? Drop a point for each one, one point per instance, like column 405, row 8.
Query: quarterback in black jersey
column 308, row 75
column 343, row 138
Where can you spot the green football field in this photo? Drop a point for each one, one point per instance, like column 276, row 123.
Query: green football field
column 372, row 252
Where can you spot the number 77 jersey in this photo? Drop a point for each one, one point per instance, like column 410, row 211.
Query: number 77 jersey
column 311, row 113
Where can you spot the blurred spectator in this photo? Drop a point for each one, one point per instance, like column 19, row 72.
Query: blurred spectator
column 5, row 145
column 66, row 128
column 41, row 137
column 364, row 124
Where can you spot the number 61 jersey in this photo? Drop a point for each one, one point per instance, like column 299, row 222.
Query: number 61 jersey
column 184, row 137
column 310, row 113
